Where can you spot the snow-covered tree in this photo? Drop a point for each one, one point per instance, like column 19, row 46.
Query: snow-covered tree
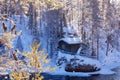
column 30, row 14
column 37, row 60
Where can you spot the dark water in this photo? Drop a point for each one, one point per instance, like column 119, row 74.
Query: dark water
column 115, row 76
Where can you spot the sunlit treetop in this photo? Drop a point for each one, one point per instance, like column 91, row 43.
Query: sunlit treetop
column 53, row 4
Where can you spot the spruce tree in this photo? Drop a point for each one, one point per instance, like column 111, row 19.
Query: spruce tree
column 30, row 14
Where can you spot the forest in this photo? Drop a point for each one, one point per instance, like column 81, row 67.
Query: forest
column 71, row 39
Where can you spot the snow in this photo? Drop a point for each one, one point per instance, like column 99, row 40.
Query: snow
column 79, row 50
column 106, row 62
column 61, row 71
column 3, row 73
column 106, row 68
column 64, row 73
column 86, row 60
column 112, row 60
column 25, row 35
column 74, row 40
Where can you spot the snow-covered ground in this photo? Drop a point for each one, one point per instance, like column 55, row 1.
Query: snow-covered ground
column 61, row 71
column 106, row 62
column 105, row 68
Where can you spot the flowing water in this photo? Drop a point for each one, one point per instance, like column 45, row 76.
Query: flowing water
column 115, row 76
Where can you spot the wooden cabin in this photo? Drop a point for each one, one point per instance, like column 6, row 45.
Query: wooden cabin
column 69, row 45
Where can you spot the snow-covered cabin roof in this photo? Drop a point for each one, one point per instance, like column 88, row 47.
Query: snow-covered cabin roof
column 69, row 40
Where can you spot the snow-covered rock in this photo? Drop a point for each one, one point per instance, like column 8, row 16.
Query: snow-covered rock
column 75, row 61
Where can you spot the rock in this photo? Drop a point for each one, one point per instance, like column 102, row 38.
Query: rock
column 81, row 68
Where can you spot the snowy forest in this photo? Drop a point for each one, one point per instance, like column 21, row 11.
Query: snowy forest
column 59, row 39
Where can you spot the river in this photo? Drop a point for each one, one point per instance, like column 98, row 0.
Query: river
column 115, row 76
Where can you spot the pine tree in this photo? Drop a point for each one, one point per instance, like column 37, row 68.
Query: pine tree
column 32, row 24
column 35, row 31
column 30, row 14
column 95, row 27
column 5, row 11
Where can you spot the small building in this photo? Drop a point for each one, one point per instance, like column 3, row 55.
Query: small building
column 69, row 45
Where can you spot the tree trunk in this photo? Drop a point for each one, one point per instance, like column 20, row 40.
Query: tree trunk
column 107, row 48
